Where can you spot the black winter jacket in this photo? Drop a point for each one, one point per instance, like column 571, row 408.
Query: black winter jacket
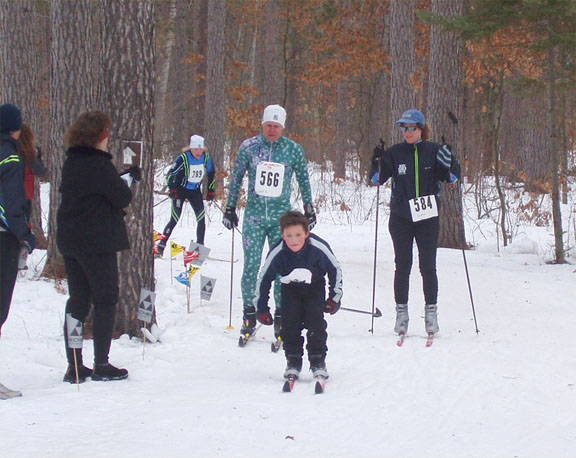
column 303, row 269
column 90, row 218
column 13, row 205
column 398, row 163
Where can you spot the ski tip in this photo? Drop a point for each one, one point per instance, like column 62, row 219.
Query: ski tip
column 377, row 313
column 242, row 341
column 319, row 387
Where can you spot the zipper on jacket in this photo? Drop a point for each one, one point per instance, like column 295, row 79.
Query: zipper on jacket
column 416, row 171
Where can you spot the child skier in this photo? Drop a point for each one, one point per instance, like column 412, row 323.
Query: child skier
column 302, row 260
column 184, row 179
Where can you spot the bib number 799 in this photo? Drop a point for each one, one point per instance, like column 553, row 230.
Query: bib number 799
column 423, row 207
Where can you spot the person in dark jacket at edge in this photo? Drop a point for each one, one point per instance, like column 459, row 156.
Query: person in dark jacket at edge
column 417, row 166
column 14, row 231
column 33, row 166
column 90, row 231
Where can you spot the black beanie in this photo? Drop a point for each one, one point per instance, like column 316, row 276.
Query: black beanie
column 10, row 118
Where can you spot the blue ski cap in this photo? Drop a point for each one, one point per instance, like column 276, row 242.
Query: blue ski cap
column 412, row 116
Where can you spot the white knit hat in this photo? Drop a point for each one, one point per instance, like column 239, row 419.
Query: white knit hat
column 196, row 141
column 274, row 113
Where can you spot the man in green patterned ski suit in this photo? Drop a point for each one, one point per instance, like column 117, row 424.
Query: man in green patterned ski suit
column 270, row 160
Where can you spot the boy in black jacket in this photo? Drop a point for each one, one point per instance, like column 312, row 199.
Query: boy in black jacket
column 302, row 260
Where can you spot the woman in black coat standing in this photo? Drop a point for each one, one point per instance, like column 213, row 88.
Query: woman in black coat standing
column 417, row 166
column 90, row 232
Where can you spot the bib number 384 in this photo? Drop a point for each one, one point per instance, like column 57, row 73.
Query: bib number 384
column 269, row 179
column 423, row 207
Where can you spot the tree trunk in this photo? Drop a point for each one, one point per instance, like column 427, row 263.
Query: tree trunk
column 445, row 71
column 555, row 162
column 274, row 79
column 164, row 118
column 215, row 110
column 402, row 62
column 72, row 92
column 128, row 96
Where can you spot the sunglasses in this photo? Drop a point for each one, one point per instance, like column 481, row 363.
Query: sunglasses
column 409, row 129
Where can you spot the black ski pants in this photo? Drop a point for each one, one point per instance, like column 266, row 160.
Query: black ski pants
column 303, row 308
column 194, row 196
column 93, row 279
column 404, row 232
column 9, row 253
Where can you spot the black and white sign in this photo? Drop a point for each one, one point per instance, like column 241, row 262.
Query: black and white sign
column 146, row 305
column 75, row 331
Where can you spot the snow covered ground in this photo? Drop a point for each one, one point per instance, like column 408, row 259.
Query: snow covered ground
column 506, row 392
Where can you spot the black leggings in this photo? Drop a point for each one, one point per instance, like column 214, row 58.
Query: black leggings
column 93, row 279
column 9, row 252
column 404, row 232
column 194, row 196
column 303, row 308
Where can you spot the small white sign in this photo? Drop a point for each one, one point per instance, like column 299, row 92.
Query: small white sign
column 75, row 331
column 132, row 152
column 146, row 305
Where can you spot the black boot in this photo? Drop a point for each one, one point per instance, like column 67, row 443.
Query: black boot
column 160, row 249
column 106, row 372
column 83, row 373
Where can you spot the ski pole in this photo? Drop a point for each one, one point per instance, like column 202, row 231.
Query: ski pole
column 231, row 282
column 376, row 244
column 460, row 220
column 163, row 200
column 376, row 314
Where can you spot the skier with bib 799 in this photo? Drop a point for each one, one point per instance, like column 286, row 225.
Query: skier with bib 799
column 184, row 180
column 270, row 159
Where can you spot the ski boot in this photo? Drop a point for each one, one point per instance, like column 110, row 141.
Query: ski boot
column 318, row 367
column 277, row 344
column 160, row 249
column 248, row 325
column 431, row 318
column 293, row 367
column 401, row 319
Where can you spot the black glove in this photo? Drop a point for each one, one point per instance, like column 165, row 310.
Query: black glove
column 378, row 152
column 331, row 307
column 311, row 215
column 265, row 318
column 210, row 195
column 230, row 219
column 174, row 194
column 135, row 172
column 29, row 241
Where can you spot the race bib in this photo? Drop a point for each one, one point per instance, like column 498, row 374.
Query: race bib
column 269, row 179
column 195, row 173
column 423, row 208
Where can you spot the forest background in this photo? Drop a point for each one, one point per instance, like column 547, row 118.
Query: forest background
column 496, row 80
